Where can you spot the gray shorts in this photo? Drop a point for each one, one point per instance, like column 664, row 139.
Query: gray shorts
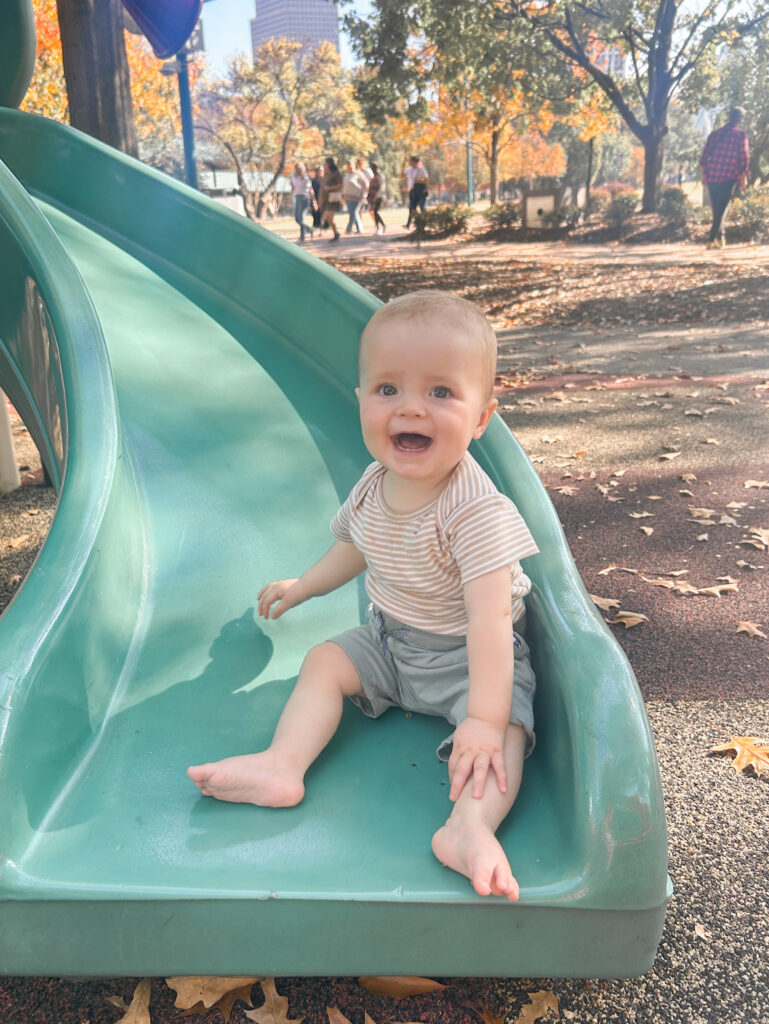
column 403, row 667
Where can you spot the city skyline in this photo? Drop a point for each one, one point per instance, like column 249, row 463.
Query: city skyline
column 308, row 22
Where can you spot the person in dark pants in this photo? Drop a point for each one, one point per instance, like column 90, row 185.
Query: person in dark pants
column 725, row 167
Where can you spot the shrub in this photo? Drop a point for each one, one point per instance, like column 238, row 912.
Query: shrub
column 441, row 221
column 674, row 205
column 599, row 200
column 564, row 217
column 619, row 213
column 750, row 213
column 504, row 215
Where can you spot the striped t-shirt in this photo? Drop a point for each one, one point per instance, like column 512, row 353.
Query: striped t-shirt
column 418, row 562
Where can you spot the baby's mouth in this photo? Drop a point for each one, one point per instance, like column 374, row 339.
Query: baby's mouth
column 412, row 442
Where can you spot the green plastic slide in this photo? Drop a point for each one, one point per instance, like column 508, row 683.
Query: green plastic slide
column 189, row 380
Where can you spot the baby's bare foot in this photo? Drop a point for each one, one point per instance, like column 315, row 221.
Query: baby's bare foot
column 261, row 779
column 472, row 849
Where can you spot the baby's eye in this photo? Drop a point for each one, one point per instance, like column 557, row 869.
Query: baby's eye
column 388, row 390
column 440, row 391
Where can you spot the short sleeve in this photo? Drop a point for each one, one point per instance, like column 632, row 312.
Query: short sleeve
column 340, row 524
column 486, row 533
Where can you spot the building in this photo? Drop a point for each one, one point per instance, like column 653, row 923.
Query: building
column 306, row 21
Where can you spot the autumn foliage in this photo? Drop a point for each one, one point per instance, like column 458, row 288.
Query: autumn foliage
column 155, row 96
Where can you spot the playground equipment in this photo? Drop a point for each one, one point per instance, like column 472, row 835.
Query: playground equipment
column 189, row 381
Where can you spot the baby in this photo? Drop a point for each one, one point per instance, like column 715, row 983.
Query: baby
column 441, row 549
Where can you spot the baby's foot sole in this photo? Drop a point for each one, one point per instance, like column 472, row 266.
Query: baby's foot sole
column 477, row 854
column 251, row 779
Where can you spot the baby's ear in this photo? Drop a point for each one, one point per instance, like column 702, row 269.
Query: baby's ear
column 485, row 418
column 357, row 394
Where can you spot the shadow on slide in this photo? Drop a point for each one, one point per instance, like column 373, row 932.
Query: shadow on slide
column 189, row 380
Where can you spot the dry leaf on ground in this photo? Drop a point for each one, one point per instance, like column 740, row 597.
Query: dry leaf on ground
column 640, row 515
column 542, row 1003
column 139, row 1010
column 198, row 995
column 718, row 589
column 648, row 530
column 749, row 753
column 488, row 1017
column 400, row 987
column 274, row 1009
column 628, row 619
column 669, row 455
column 606, row 604
column 701, row 932
column 751, row 628
column 760, row 484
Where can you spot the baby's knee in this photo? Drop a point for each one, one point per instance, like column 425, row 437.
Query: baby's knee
column 328, row 663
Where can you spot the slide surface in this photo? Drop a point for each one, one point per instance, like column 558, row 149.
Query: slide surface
column 189, row 379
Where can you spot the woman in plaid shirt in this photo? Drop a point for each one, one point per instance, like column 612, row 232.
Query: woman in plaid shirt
column 724, row 167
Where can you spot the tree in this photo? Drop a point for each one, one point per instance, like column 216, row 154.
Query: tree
column 639, row 53
column 743, row 82
column 289, row 104
column 96, row 71
column 460, row 65
column 155, row 98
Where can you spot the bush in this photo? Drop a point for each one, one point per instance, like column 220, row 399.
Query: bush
column 674, row 205
column 564, row 217
column 619, row 213
column 442, row 221
column 504, row 215
column 599, row 200
column 750, row 213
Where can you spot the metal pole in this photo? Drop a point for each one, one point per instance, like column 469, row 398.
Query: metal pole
column 469, row 163
column 185, row 102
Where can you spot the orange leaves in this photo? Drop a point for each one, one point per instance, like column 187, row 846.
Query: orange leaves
column 139, row 1010
column 274, row 1010
column 400, row 987
column 201, row 994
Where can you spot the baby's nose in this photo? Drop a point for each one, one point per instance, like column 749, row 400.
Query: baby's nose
column 411, row 404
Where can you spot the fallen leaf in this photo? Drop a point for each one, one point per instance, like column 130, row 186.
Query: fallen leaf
column 684, row 587
column 139, row 1010
column 17, row 542
column 701, row 931
column 567, row 490
column 606, row 604
column 540, row 1005
column 659, row 582
column 274, row 1009
column 745, row 565
column 693, row 412
column 726, row 579
column 751, row 628
column 711, row 440
column 400, row 987
column 118, row 1001
column 648, row 530
column 654, row 497
column 688, row 478
column 210, row 991
column 760, row 484
column 677, row 572
column 688, row 493
column 726, row 520
column 641, row 515
column 749, row 753
column 619, row 472
column 720, row 588
column 760, row 534
column 669, row 455
column 551, row 440
column 737, row 504
column 702, row 536
column 628, row 619
column 701, row 513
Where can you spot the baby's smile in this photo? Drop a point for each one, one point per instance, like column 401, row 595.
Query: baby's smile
column 411, row 442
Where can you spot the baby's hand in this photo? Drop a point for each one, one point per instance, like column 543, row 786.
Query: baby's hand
column 478, row 748
column 287, row 592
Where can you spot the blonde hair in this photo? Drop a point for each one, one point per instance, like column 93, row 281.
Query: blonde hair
column 462, row 316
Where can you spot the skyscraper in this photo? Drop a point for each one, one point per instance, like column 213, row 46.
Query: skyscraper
column 307, row 21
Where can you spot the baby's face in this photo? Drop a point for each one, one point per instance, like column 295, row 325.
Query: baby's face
column 422, row 399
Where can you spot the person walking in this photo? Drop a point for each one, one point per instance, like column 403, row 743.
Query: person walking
column 354, row 190
column 725, row 162
column 331, row 194
column 375, row 198
column 318, row 223
column 301, row 191
column 417, row 178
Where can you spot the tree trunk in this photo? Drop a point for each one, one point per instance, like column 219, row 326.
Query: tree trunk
column 96, row 71
column 494, row 167
column 652, row 172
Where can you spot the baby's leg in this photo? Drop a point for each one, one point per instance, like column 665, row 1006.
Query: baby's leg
column 467, row 842
column 275, row 777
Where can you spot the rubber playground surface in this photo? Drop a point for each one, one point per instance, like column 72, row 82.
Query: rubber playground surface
column 653, row 445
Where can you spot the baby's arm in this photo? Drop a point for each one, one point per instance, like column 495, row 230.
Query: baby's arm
column 340, row 564
column 479, row 739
